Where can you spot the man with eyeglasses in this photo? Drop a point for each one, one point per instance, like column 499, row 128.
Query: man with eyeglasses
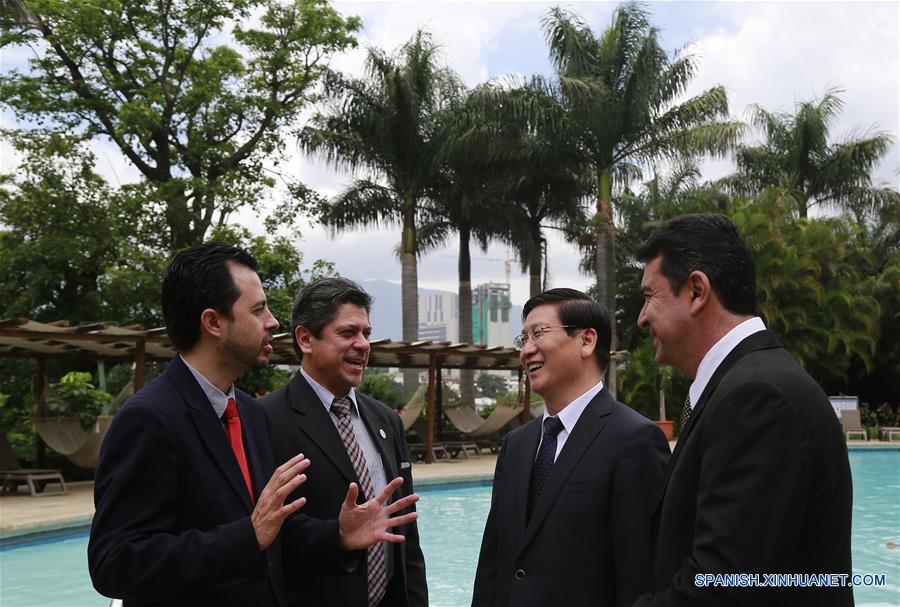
column 574, row 489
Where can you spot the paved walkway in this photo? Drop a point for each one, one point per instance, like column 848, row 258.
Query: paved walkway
column 21, row 514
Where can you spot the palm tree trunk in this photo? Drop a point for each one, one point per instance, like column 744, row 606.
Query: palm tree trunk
column 467, row 376
column 409, row 288
column 535, row 271
column 606, row 261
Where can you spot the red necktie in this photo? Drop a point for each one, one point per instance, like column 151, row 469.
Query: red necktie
column 237, row 444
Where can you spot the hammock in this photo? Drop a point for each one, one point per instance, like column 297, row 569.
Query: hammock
column 66, row 436
column 465, row 419
column 413, row 408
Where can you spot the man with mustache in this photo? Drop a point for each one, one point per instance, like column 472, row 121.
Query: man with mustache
column 759, row 482
column 191, row 509
column 351, row 437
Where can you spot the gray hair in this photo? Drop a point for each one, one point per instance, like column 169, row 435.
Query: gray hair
column 317, row 304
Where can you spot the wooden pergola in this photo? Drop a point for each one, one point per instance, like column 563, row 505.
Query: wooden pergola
column 25, row 338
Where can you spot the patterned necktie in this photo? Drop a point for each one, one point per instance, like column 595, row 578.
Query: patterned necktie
column 686, row 412
column 375, row 558
column 540, row 470
column 233, row 421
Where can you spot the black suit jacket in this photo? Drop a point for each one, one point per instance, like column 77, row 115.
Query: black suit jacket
column 759, row 483
column 172, row 523
column 299, row 423
column 588, row 539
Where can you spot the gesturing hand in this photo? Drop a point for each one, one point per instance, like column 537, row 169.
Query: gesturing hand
column 270, row 510
column 362, row 525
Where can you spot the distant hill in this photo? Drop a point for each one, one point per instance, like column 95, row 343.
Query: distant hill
column 386, row 317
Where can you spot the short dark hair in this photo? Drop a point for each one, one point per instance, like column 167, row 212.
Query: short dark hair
column 199, row 278
column 708, row 243
column 317, row 304
column 579, row 310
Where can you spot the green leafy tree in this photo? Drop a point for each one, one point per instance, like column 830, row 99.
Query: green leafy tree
column 76, row 396
column 384, row 124
column 57, row 232
column 798, row 158
column 196, row 117
column 378, row 384
column 490, row 385
column 622, row 95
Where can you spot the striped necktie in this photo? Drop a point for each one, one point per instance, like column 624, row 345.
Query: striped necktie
column 375, row 558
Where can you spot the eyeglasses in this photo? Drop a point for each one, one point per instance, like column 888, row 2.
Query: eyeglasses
column 537, row 334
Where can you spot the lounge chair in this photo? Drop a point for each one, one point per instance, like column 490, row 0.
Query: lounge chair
column 417, row 449
column 11, row 473
column 887, row 433
column 852, row 425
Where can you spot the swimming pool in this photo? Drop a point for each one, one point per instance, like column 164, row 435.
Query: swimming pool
column 53, row 572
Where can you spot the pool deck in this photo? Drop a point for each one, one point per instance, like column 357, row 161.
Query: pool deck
column 21, row 514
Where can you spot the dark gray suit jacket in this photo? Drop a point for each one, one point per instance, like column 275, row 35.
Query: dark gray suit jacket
column 299, row 423
column 758, row 483
column 588, row 540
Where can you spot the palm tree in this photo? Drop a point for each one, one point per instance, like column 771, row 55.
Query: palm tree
column 467, row 201
column 548, row 178
column 540, row 172
column 385, row 123
column 797, row 157
column 619, row 91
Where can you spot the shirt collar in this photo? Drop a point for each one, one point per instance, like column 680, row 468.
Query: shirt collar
column 571, row 412
column 327, row 397
column 718, row 352
column 217, row 398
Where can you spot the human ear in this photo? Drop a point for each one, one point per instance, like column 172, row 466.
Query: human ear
column 588, row 342
column 210, row 322
column 700, row 289
column 303, row 337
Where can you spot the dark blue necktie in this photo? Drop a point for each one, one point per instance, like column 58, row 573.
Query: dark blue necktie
column 540, row 471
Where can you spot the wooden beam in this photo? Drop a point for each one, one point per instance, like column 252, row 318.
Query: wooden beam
column 40, row 387
column 139, row 362
column 429, row 434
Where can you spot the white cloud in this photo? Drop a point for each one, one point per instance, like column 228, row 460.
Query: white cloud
column 777, row 53
column 771, row 53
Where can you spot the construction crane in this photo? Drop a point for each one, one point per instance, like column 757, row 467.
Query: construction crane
column 507, row 264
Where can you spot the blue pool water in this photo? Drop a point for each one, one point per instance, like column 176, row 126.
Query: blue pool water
column 54, row 572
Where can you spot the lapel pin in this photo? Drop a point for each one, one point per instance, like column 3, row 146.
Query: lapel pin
column 382, row 433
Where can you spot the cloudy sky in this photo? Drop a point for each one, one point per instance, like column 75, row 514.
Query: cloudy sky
column 769, row 53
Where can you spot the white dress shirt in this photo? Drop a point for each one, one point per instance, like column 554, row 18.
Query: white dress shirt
column 569, row 417
column 718, row 352
column 366, row 444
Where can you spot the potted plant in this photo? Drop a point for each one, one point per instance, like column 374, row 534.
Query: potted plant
column 665, row 382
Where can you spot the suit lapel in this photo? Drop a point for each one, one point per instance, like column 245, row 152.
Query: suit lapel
column 761, row 340
column 372, row 416
column 253, row 446
column 209, row 428
column 588, row 426
column 521, row 455
column 315, row 422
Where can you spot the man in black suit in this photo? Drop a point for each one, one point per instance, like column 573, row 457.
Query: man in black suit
column 574, row 490
column 759, row 482
column 189, row 504
column 330, row 327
